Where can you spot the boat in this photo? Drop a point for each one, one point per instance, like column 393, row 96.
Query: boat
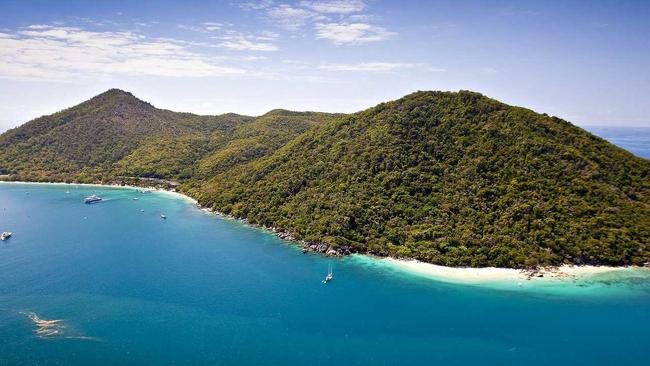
column 5, row 235
column 93, row 199
column 135, row 198
column 162, row 216
column 330, row 275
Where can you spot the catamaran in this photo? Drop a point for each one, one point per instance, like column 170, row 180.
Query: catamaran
column 92, row 199
column 5, row 235
column 330, row 275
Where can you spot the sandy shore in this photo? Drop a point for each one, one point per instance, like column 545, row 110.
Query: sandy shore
column 491, row 274
column 154, row 189
column 457, row 274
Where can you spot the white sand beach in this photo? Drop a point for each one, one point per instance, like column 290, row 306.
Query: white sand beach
column 491, row 274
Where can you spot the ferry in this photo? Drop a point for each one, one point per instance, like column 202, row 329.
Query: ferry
column 93, row 199
column 5, row 235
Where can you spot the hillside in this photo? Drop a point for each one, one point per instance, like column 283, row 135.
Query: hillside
column 199, row 156
column 116, row 134
column 263, row 136
column 83, row 141
column 450, row 178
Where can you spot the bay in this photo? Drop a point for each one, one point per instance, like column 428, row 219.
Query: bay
column 131, row 288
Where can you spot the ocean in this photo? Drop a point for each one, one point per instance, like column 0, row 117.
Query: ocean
column 114, row 283
column 633, row 139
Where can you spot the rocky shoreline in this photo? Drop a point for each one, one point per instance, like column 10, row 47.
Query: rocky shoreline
column 306, row 246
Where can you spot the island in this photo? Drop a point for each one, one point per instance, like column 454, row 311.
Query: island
column 449, row 178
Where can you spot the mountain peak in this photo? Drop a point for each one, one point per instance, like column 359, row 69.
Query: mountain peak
column 116, row 91
column 117, row 100
column 117, row 94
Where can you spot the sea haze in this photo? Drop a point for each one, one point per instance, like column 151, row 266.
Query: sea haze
column 633, row 139
column 113, row 283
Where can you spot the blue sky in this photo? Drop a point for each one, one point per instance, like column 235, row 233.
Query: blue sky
column 586, row 62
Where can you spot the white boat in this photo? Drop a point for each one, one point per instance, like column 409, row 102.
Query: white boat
column 93, row 199
column 5, row 235
column 162, row 216
column 330, row 275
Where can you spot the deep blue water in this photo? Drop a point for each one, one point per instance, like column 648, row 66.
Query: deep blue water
column 131, row 288
column 633, row 139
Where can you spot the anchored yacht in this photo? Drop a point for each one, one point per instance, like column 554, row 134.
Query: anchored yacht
column 93, row 199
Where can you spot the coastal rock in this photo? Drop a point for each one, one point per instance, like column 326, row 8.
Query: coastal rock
column 333, row 253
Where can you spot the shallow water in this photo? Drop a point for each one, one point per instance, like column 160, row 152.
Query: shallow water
column 131, row 288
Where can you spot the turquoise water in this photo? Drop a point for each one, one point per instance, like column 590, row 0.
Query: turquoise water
column 131, row 288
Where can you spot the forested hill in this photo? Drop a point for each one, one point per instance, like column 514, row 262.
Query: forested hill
column 116, row 134
column 448, row 178
column 84, row 141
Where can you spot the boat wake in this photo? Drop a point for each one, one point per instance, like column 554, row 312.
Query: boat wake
column 53, row 328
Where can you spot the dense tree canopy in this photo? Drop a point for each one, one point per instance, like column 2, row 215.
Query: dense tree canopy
column 448, row 178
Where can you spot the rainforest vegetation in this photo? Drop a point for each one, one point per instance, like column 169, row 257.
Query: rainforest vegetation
column 452, row 178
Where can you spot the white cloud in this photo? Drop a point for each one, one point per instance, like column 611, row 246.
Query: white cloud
column 255, row 5
column 267, row 36
column 206, row 27
column 238, row 41
column 243, row 44
column 370, row 66
column 38, row 26
column 352, row 33
column 212, row 26
column 63, row 53
column 290, row 17
column 335, row 6
column 353, row 25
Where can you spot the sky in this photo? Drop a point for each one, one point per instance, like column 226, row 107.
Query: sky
column 583, row 61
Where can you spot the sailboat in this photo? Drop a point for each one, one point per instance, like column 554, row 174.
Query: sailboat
column 330, row 275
